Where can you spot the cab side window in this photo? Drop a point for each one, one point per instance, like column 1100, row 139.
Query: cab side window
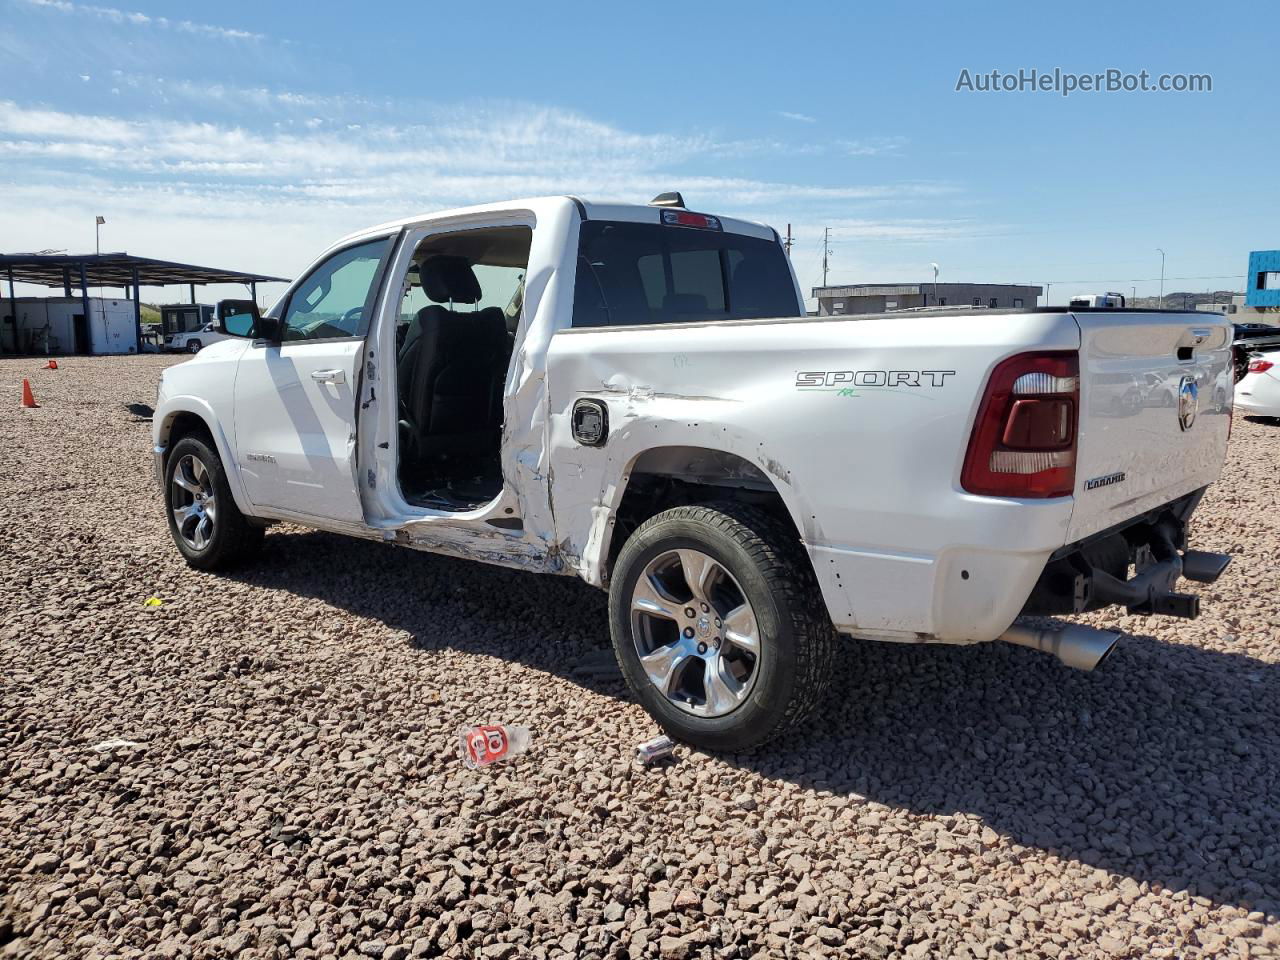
column 336, row 300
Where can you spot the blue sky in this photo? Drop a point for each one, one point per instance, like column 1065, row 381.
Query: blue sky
column 249, row 135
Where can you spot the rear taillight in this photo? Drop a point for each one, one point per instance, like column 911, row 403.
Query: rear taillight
column 1260, row 366
column 1024, row 440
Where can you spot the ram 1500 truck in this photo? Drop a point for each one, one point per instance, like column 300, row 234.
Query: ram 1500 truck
column 633, row 395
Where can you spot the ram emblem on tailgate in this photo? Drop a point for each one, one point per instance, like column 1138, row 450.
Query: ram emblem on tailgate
column 1188, row 402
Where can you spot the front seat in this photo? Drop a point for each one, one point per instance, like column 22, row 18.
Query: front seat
column 451, row 361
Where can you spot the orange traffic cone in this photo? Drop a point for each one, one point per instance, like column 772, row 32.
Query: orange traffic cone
column 28, row 399
column 51, row 365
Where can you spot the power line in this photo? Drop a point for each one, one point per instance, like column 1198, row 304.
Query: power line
column 1230, row 276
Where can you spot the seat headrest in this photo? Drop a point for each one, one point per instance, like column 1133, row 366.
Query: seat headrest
column 446, row 278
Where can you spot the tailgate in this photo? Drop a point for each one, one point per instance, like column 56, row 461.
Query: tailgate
column 1155, row 402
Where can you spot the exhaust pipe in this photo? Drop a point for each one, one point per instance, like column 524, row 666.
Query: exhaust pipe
column 1080, row 647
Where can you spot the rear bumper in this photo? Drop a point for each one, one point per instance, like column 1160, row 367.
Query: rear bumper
column 968, row 589
column 970, row 594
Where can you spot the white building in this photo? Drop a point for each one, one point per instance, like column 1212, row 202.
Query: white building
column 1238, row 311
column 58, row 325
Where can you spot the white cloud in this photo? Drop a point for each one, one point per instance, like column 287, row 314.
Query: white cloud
column 269, row 196
column 126, row 17
column 463, row 150
column 873, row 146
column 801, row 117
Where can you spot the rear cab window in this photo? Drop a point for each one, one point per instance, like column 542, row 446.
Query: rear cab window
column 651, row 273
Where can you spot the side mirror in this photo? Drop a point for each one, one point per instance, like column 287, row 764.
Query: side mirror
column 237, row 318
column 240, row 318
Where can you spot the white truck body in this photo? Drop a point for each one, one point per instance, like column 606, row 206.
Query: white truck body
column 858, row 430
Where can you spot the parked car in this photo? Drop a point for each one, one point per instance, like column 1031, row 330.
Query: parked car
column 633, row 395
column 1249, row 337
column 1258, row 392
column 193, row 341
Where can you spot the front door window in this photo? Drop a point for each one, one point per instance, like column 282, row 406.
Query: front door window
column 336, row 300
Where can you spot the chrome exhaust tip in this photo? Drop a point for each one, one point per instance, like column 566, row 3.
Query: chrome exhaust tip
column 1082, row 648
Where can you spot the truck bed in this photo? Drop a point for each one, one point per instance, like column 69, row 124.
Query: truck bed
column 861, row 425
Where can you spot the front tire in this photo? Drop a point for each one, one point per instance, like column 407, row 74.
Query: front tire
column 719, row 626
column 208, row 529
column 193, row 346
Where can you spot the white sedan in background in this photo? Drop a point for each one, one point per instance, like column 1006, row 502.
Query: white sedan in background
column 1258, row 392
column 193, row 340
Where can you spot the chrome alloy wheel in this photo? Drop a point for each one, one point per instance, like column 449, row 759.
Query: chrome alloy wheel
column 192, row 501
column 695, row 633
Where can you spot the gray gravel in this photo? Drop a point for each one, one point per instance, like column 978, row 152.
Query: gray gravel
column 287, row 784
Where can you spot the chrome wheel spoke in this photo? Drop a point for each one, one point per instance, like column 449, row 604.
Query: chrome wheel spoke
column 723, row 691
column 662, row 666
column 201, row 474
column 188, row 484
column 740, row 628
column 202, row 532
column 647, row 598
column 699, row 572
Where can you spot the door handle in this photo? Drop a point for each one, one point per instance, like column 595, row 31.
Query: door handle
column 329, row 376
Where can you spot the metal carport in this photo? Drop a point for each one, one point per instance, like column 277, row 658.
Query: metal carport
column 117, row 270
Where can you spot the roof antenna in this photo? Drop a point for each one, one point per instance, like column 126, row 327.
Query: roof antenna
column 672, row 199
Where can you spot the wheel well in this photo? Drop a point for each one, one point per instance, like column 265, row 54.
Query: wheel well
column 667, row 477
column 186, row 424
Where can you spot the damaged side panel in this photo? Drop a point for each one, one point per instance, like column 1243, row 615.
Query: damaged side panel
column 868, row 471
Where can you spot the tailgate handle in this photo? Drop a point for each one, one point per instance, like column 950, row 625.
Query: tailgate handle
column 1194, row 337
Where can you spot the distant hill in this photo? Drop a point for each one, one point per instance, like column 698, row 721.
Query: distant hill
column 1185, row 301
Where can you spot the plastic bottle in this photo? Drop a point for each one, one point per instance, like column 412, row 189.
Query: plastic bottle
column 488, row 743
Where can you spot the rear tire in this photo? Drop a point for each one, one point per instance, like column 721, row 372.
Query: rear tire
column 206, row 525
column 754, row 658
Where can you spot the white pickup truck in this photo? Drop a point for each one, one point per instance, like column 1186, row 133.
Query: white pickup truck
column 632, row 394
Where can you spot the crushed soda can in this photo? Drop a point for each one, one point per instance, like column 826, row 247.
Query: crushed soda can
column 651, row 751
column 487, row 743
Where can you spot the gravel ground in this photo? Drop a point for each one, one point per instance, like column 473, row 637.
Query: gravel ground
column 290, row 785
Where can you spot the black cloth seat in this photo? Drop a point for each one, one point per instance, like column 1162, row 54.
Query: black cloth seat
column 452, row 367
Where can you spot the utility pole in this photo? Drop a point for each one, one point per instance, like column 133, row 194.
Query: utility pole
column 98, row 221
column 1161, row 304
column 826, row 242
column 787, row 243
